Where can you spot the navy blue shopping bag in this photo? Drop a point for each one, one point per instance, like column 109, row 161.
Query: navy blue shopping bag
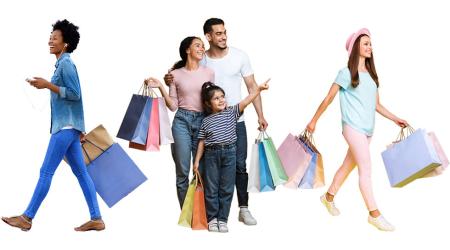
column 132, row 116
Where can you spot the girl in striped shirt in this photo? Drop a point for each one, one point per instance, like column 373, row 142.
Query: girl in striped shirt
column 217, row 140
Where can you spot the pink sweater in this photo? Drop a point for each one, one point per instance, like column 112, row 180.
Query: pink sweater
column 187, row 86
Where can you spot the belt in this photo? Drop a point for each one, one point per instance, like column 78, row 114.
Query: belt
column 220, row 146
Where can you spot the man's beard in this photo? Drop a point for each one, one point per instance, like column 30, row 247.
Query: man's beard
column 222, row 48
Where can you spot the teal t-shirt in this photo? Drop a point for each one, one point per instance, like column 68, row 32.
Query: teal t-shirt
column 358, row 105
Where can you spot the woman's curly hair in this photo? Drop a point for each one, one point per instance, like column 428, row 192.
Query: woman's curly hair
column 69, row 33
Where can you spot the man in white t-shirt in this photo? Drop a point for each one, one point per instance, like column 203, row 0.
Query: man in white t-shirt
column 230, row 66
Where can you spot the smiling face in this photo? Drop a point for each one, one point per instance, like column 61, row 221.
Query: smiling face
column 196, row 50
column 56, row 43
column 218, row 36
column 365, row 47
column 217, row 103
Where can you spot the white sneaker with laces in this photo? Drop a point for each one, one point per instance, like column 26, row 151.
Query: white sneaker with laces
column 332, row 209
column 381, row 223
column 223, row 227
column 212, row 225
column 246, row 217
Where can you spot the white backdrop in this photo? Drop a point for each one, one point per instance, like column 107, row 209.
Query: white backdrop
column 299, row 44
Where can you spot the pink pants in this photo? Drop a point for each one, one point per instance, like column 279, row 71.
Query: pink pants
column 357, row 154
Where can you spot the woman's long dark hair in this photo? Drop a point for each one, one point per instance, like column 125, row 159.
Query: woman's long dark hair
column 208, row 90
column 353, row 62
column 184, row 45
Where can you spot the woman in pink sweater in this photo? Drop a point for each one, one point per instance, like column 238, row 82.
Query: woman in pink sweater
column 184, row 96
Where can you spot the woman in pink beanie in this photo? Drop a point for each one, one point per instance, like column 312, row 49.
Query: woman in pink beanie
column 357, row 85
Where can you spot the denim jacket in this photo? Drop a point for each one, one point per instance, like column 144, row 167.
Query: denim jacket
column 67, row 106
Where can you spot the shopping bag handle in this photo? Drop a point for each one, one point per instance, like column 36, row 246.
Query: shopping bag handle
column 404, row 134
column 143, row 90
column 264, row 134
column 198, row 178
column 307, row 138
column 95, row 145
column 258, row 139
column 151, row 92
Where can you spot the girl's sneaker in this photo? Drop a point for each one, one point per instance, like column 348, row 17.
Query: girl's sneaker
column 223, row 228
column 332, row 209
column 381, row 223
column 213, row 225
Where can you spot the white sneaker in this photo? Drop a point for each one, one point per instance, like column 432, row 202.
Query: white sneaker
column 332, row 209
column 246, row 217
column 223, row 227
column 212, row 225
column 381, row 223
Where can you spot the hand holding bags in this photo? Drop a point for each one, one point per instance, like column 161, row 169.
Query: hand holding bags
column 410, row 157
column 193, row 213
column 153, row 127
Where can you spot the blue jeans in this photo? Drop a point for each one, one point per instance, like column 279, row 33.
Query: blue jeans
column 66, row 142
column 241, row 167
column 185, row 127
column 219, row 175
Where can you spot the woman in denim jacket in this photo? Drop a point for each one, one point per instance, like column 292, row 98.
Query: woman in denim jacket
column 67, row 128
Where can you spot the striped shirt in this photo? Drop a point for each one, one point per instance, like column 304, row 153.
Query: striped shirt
column 220, row 128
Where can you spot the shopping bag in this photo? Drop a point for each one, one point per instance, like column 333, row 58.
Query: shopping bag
column 253, row 173
column 96, row 142
column 410, row 157
column 185, row 218
column 199, row 220
column 114, row 174
column 165, row 129
column 314, row 175
column 273, row 160
column 151, row 138
column 265, row 178
column 133, row 114
column 141, row 132
column 153, row 129
column 442, row 157
column 295, row 160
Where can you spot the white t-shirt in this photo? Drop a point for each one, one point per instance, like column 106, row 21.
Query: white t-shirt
column 229, row 72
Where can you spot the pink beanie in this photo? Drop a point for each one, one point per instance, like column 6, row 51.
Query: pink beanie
column 351, row 39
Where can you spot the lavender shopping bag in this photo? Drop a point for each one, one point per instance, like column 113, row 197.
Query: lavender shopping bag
column 410, row 158
column 314, row 176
